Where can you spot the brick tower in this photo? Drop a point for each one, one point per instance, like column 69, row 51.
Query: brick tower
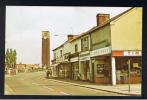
column 45, row 49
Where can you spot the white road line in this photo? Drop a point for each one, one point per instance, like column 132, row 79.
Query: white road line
column 35, row 84
column 49, row 88
column 8, row 90
column 64, row 93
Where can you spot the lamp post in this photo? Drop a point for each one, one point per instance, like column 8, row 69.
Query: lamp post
column 129, row 74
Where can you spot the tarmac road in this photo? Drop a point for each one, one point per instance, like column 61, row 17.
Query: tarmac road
column 35, row 83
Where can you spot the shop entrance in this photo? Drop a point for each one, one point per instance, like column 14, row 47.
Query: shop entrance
column 85, row 67
column 92, row 72
column 102, row 69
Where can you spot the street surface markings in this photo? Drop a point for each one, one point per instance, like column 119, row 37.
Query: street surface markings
column 49, row 88
column 64, row 93
column 8, row 90
column 35, row 84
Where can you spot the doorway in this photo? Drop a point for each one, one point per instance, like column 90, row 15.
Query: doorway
column 92, row 72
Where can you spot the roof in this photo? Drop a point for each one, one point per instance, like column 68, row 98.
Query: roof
column 65, row 42
column 96, row 27
column 102, row 25
column 60, row 46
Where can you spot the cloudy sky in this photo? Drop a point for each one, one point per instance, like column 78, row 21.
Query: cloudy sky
column 24, row 25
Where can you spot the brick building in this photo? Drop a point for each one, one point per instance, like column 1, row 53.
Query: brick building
column 45, row 49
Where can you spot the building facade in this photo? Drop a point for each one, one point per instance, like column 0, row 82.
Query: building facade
column 126, row 40
column 101, row 54
column 113, row 43
column 74, row 58
column 61, row 59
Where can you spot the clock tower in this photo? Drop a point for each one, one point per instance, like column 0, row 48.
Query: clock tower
column 45, row 49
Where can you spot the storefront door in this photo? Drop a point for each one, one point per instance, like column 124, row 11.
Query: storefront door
column 92, row 72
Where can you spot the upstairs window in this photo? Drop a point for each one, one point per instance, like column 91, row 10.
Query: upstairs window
column 54, row 55
column 60, row 53
column 85, row 44
column 76, row 48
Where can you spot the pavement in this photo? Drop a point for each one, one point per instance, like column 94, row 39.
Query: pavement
column 135, row 89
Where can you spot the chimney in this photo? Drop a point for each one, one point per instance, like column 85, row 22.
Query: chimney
column 70, row 37
column 101, row 18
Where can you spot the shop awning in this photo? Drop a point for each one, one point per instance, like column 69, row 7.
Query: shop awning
column 54, row 65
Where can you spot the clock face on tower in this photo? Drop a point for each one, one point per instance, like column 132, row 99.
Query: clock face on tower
column 45, row 34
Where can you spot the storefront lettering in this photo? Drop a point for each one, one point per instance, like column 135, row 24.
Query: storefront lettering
column 84, row 55
column 132, row 53
column 84, row 58
column 101, row 51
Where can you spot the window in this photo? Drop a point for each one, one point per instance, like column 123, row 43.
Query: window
column 76, row 48
column 100, row 68
column 85, row 44
column 54, row 55
column 60, row 53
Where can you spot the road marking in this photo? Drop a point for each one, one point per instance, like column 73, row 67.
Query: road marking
column 64, row 93
column 8, row 90
column 50, row 88
column 35, row 83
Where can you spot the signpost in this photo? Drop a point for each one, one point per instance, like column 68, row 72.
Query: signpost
column 129, row 74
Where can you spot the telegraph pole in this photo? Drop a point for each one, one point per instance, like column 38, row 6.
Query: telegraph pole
column 129, row 74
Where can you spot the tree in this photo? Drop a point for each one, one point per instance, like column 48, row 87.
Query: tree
column 10, row 58
column 15, row 57
column 7, row 60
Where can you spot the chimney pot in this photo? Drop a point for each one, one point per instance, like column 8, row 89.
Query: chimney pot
column 70, row 37
column 101, row 18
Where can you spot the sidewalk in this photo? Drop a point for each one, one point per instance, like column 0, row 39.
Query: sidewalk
column 120, row 89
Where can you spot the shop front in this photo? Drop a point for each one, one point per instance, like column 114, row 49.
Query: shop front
column 61, row 71
column 101, row 65
column 67, row 70
column 74, row 60
column 55, row 70
column 85, row 66
column 122, row 66
column 64, row 70
column 75, row 68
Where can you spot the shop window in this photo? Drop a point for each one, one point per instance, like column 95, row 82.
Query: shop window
column 100, row 68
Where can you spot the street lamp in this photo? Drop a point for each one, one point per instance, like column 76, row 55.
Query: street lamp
column 129, row 74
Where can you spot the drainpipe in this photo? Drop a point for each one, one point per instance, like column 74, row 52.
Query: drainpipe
column 113, row 64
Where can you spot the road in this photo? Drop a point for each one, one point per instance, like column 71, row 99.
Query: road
column 35, row 83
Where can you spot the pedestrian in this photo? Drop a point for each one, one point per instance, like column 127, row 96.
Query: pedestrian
column 118, row 74
column 79, row 76
column 47, row 73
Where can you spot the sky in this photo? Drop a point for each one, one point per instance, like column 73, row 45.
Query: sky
column 24, row 26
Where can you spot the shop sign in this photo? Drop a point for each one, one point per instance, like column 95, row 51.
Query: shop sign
column 74, row 59
column 132, row 53
column 84, row 53
column 126, row 53
column 101, row 51
column 117, row 53
column 84, row 58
